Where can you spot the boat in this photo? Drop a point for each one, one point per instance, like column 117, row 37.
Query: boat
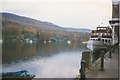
column 18, row 75
column 102, row 37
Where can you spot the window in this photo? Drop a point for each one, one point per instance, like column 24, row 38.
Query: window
column 103, row 40
column 98, row 39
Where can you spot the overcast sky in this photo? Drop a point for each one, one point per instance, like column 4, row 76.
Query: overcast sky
column 66, row 13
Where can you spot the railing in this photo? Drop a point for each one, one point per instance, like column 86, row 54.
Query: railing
column 85, row 69
column 106, row 36
column 94, row 36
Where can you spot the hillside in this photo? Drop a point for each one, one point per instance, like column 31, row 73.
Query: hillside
column 28, row 21
column 15, row 27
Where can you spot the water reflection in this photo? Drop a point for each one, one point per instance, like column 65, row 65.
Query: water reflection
column 15, row 52
column 43, row 60
column 63, row 65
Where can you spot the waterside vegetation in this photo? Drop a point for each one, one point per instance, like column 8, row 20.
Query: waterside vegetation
column 18, row 28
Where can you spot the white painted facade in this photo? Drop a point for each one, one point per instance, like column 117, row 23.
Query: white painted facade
column 101, row 39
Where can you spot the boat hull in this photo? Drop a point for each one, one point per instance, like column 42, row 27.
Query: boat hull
column 9, row 78
column 19, row 75
column 96, row 45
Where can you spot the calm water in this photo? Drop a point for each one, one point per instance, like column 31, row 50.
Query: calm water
column 43, row 60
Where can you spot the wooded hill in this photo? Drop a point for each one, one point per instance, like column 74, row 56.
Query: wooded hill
column 15, row 27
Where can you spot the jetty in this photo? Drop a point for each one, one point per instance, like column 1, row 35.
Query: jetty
column 111, row 69
column 106, row 67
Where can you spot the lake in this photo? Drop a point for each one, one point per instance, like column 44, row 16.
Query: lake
column 50, row 60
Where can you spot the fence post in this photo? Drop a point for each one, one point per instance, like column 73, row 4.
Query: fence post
column 82, row 70
column 110, row 54
column 102, row 60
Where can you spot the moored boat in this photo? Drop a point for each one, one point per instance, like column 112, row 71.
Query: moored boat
column 19, row 75
column 102, row 37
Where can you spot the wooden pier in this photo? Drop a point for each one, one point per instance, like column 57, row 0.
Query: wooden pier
column 106, row 66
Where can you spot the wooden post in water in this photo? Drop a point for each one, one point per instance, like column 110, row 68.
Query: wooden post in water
column 85, row 62
column 86, row 57
column 83, row 70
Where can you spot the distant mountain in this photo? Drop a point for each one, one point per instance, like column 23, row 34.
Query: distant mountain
column 83, row 30
column 25, row 21
column 15, row 27
column 28, row 21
